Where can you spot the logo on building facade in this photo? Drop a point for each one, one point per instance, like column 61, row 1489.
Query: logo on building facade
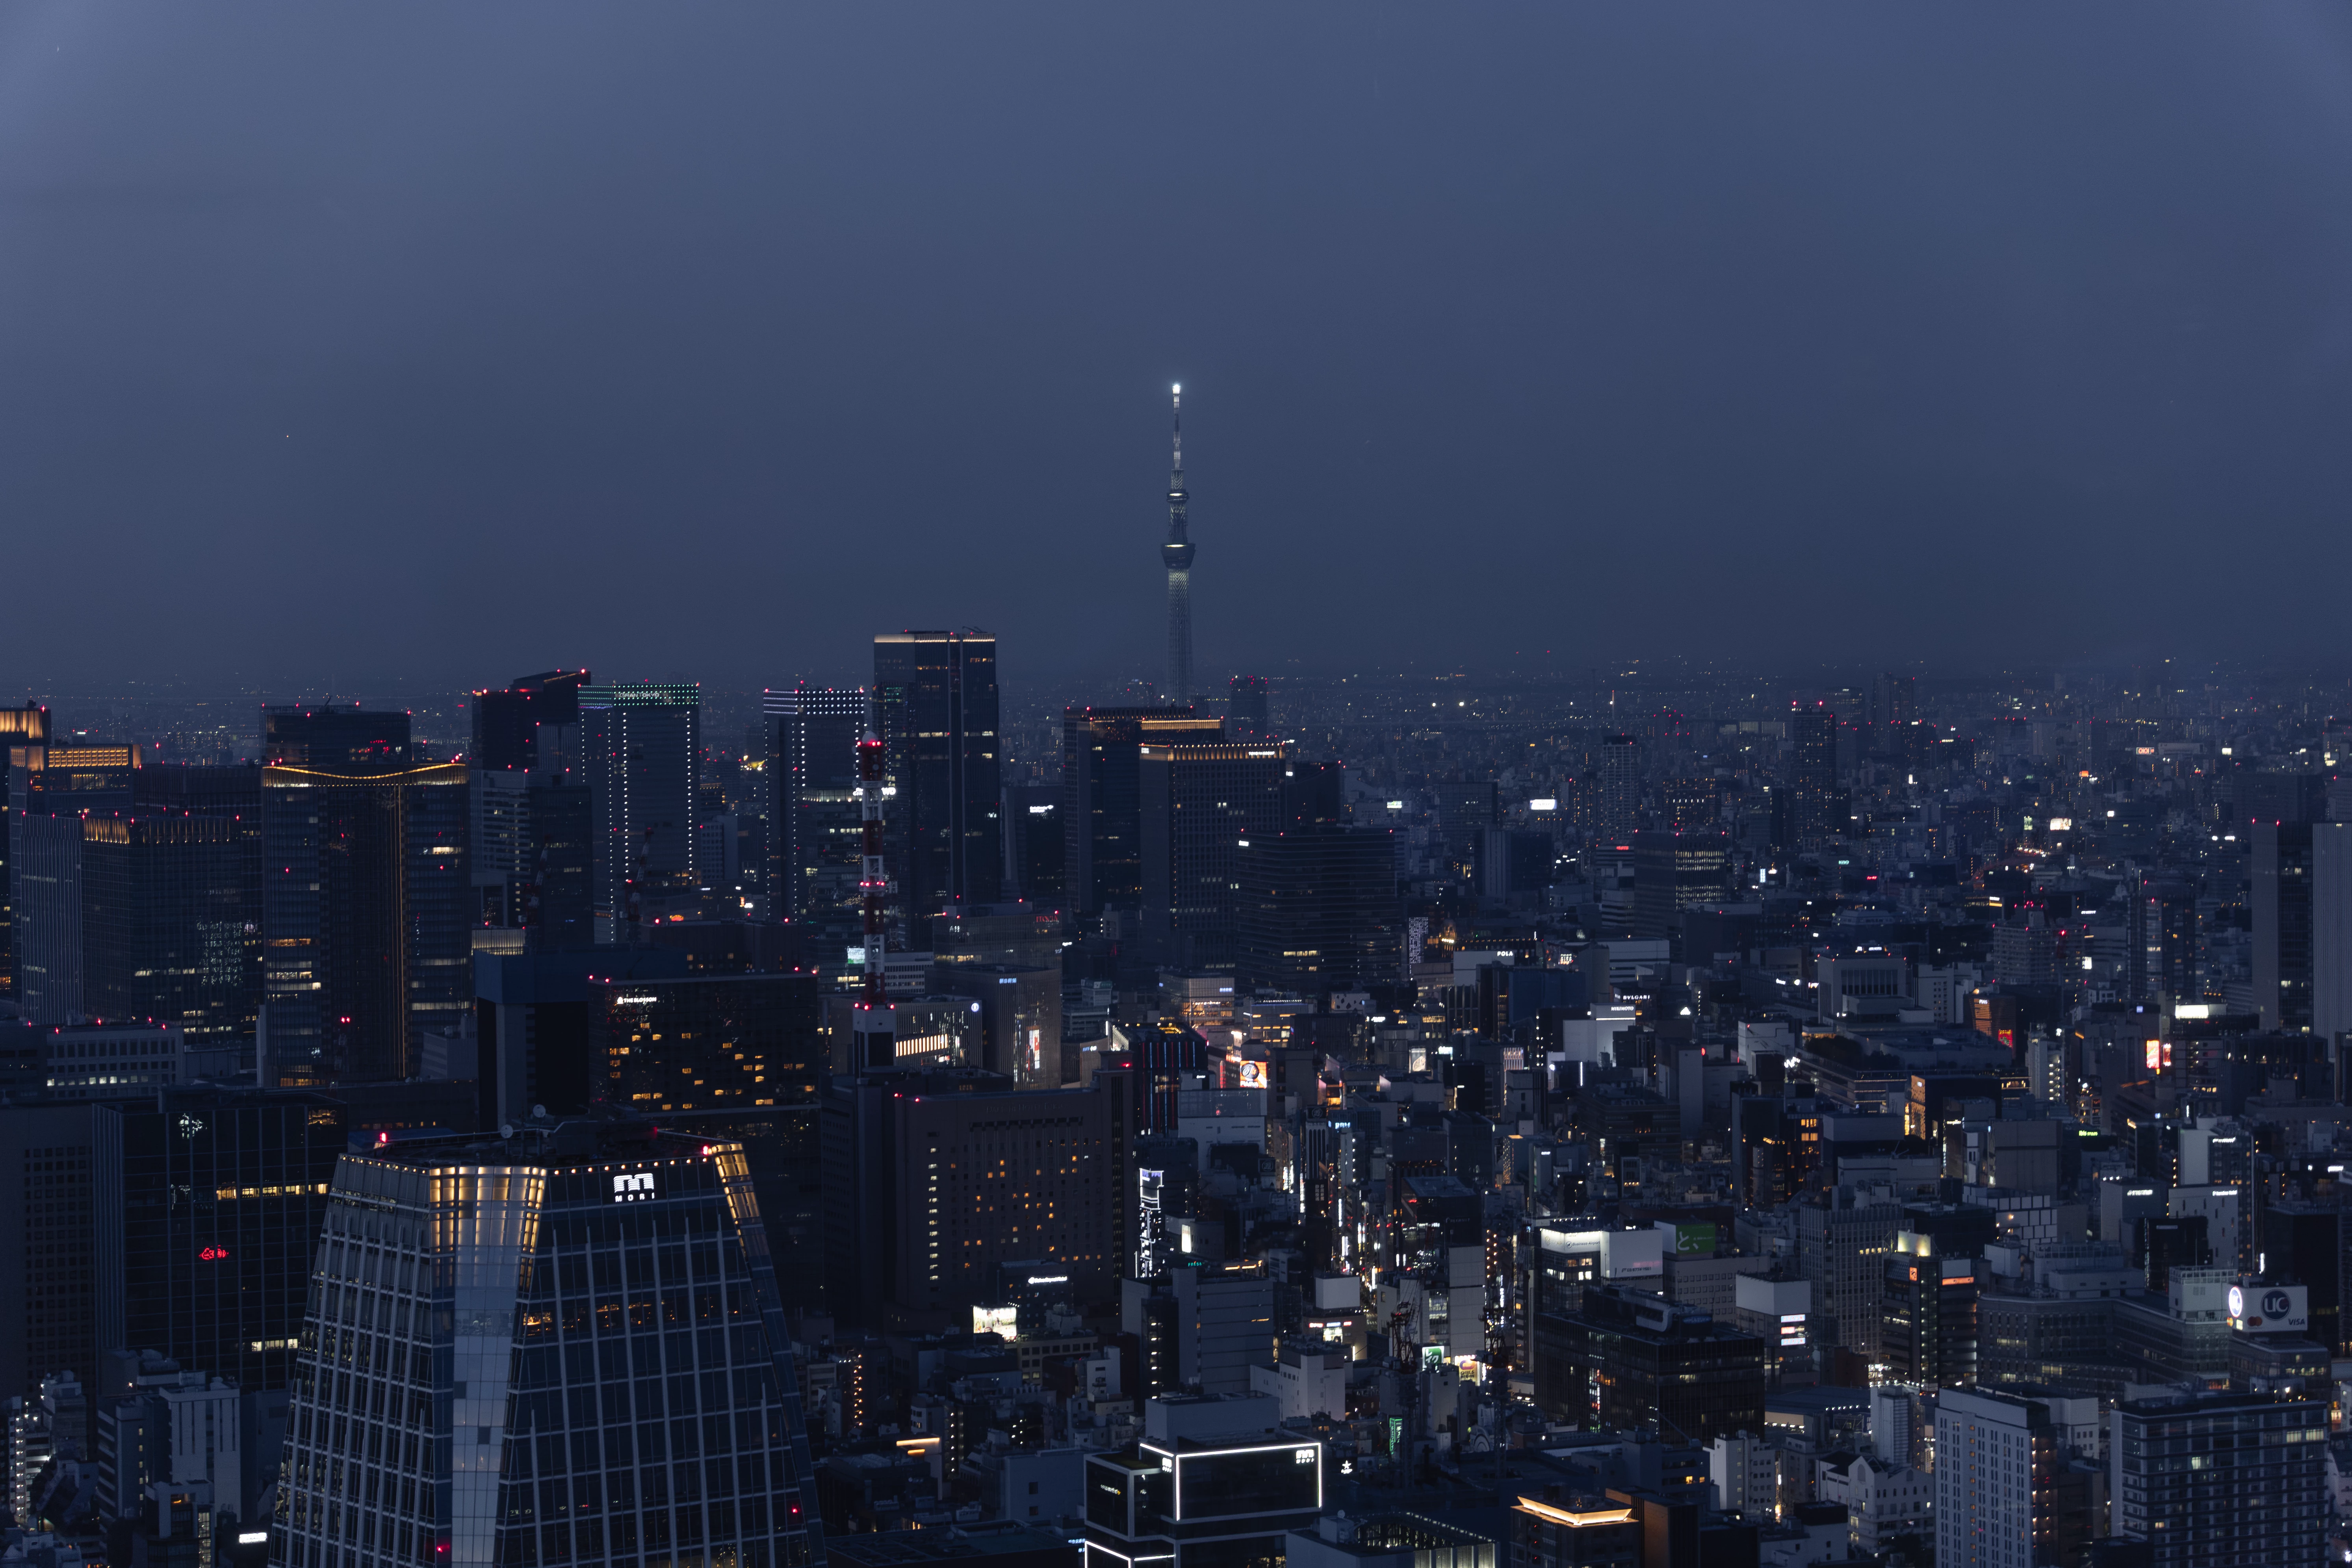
column 634, row 1187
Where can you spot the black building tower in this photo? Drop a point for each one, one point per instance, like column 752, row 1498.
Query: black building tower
column 934, row 707
column 1247, row 717
column 814, row 825
column 170, row 903
column 1102, row 800
column 366, row 915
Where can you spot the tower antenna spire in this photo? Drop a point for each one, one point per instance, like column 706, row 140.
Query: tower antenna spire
column 1177, row 556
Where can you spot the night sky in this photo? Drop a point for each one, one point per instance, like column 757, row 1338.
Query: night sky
column 342, row 341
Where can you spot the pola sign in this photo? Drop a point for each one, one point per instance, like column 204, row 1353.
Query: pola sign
column 2270, row 1309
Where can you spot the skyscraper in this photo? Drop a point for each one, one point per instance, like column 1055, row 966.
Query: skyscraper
column 2160, row 936
column 812, row 813
column 2281, row 897
column 1035, row 846
column 51, row 789
column 1620, row 814
column 1812, row 776
column 19, row 727
column 1246, row 716
column 561, row 1347
column 532, row 723
column 534, row 844
column 1316, row 911
column 931, row 1179
column 1999, row 1459
column 531, row 833
column 366, row 916
column 1203, row 805
column 214, row 1200
column 642, row 746
column 1177, row 556
column 2210, row 1478
column 935, row 709
column 171, row 920
column 2331, row 928
column 1102, row 805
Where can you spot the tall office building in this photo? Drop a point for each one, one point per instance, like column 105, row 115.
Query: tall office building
column 170, row 903
column 1674, row 872
column 1316, row 911
column 726, row 1057
column 1813, row 804
column 1200, row 1324
column 1102, row 800
column 171, row 921
column 1844, row 1235
column 366, row 916
column 1928, row 1334
column 534, row 845
column 813, row 826
column 2283, row 910
column 1177, row 556
column 1033, row 844
column 51, row 789
column 1630, row 1361
column 218, row 1196
column 1618, row 816
column 1894, row 710
column 1998, row 1459
column 19, row 728
column 935, row 708
column 934, row 1178
column 561, row 1347
column 2208, row 1478
column 2160, row 936
column 532, row 835
column 1466, row 808
column 641, row 743
column 1017, row 1019
column 2331, row 929
column 1202, row 806
column 1246, row 717
column 533, row 723
column 48, row 1157
column 704, row 1043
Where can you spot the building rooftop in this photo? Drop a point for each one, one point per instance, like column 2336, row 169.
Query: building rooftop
column 1000, row 1539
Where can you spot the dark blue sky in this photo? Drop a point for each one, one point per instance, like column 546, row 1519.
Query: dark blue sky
column 340, row 341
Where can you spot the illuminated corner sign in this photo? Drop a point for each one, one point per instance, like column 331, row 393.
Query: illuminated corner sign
column 1303, row 1456
column 252, row 1537
column 634, row 1187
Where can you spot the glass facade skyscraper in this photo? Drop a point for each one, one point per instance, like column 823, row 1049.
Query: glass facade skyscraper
column 366, row 900
column 814, row 831
column 220, row 1194
column 935, row 708
column 641, row 744
column 171, row 922
column 1202, row 807
column 1102, row 799
column 563, row 1347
